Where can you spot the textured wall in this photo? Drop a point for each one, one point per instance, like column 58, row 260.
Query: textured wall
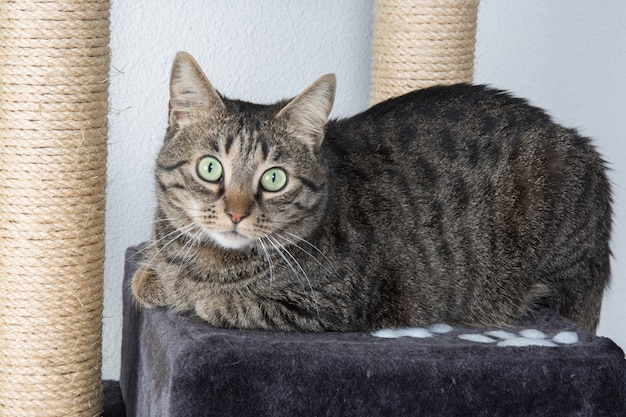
column 564, row 55
column 569, row 57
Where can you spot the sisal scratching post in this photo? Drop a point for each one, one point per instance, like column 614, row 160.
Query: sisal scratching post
column 54, row 58
column 420, row 43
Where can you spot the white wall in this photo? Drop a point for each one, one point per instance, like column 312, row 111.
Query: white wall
column 566, row 56
column 569, row 57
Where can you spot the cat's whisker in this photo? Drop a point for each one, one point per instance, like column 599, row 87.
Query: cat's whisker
column 194, row 240
column 270, row 263
column 167, row 235
column 176, row 233
column 301, row 239
column 154, row 244
column 291, row 242
column 278, row 246
column 163, row 220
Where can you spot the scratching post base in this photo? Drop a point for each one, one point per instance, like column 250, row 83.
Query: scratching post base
column 176, row 365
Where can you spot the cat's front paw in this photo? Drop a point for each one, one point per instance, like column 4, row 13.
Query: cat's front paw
column 147, row 289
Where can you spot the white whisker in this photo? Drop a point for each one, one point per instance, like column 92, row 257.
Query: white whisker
column 176, row 233
column 193, row 240
column 316, row 249
column 270, row 263
column 278, row 246
column 332, row 270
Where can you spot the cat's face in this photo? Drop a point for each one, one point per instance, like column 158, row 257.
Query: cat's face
column 241, row 175
column 236, row 182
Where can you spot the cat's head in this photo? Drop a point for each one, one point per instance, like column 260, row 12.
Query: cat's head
column 236, row 173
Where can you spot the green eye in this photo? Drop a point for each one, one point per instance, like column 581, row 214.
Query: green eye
column 274, row 179
column 210, row 169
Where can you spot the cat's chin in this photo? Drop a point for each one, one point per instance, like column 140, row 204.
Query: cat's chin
column 231, row 240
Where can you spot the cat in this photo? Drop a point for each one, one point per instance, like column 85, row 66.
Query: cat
column 459, row 204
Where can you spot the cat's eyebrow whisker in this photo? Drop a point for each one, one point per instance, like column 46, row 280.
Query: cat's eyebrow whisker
column 278, row 245
column 270, row 263
column 332, row 270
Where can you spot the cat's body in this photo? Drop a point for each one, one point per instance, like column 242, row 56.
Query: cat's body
column 458, row 204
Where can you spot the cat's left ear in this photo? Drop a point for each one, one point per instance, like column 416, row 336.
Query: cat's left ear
column 308, row 112
column 191, row 93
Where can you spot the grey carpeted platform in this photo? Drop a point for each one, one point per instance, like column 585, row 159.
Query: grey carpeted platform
column 177, row 365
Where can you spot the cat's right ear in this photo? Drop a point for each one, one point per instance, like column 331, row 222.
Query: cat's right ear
column 191, row 94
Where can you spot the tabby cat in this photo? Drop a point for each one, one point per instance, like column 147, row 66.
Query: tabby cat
column 457, row 204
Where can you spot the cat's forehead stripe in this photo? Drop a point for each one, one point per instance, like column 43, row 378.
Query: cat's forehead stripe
column 265, row 150
column 308, row 183
column 229, row 143
column 172, row 167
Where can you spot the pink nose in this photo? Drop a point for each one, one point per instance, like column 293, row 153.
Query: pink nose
column 236, row 216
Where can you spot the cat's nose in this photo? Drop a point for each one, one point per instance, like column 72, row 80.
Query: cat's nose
column 236, row 216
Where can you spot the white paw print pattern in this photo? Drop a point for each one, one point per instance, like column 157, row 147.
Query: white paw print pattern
column 502, row 338
column 416, row 332
column 526, row 337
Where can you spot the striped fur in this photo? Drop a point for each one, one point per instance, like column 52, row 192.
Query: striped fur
column 459, row 204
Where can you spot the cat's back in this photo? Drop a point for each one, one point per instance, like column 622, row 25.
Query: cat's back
column 441, row 116
column 470, row 189
column 463, row 129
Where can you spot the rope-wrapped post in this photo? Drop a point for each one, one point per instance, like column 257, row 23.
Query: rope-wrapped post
column 54, row 61
column 420, row 43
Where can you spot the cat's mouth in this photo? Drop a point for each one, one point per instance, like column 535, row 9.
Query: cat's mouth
column 231, row 240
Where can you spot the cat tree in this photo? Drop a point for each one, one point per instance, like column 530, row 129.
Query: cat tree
column 53, row 100
column 54, row 59
column 53, row 108
column 176, row 365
